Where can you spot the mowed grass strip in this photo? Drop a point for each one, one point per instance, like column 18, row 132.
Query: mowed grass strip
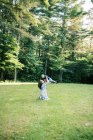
column 68, row 115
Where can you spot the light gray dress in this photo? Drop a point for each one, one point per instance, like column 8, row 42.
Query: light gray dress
column 43, row 95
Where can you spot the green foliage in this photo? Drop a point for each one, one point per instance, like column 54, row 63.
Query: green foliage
column 50, row 39
column 32, row 64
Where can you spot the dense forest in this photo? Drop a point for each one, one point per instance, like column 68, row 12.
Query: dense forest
column 46, row 36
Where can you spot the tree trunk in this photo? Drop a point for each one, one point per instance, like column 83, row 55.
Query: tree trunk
column 15, row 75
column 15, row 71
column 60, row 76
column 46, row 67
column 2, row 76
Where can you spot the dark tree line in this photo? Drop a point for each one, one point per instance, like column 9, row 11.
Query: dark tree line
column 45, row 37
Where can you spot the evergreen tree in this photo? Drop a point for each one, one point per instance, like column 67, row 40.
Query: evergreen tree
column 9, row 50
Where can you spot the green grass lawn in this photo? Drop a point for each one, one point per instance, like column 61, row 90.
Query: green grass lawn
column 68, row 115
